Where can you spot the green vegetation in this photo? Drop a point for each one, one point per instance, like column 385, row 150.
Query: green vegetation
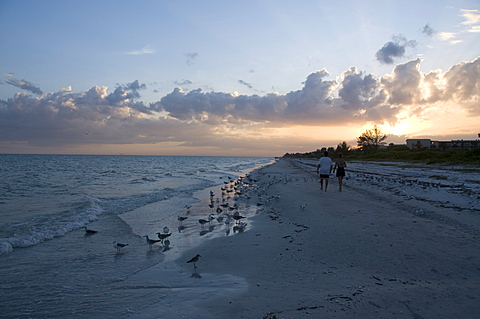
column 400, row 154
column 370, row 149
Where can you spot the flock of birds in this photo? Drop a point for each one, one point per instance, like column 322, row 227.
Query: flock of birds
column 220, row 210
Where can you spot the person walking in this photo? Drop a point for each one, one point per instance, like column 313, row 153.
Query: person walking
column 325, row 168
column 340, row 165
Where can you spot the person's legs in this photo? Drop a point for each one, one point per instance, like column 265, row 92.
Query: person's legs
column 321, row 183
column 326, row 183
column 340, row 180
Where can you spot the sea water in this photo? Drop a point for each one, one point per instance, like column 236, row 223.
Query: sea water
column 49, row 266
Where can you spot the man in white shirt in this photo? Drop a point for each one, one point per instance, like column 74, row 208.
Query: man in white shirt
column 325, row 167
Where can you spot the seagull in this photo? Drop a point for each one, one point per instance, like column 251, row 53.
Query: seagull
column 203, row 221
column 237, row 217
column 118, row 246
column 181, row 219
column 163, row 236
column 89, row 231
column 166, row 230
column 151, row 242
column 194, row 260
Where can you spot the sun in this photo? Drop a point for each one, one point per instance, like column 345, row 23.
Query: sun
column 401, row 128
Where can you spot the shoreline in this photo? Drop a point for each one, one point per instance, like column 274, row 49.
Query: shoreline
column 357, row 253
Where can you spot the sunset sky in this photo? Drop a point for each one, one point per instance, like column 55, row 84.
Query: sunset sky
column 236, row 78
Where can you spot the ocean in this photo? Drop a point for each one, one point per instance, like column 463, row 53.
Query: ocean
column 51, row 268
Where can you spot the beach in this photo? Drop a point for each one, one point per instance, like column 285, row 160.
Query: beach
column 369, row 251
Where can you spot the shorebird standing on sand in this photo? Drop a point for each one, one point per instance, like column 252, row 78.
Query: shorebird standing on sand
column 203, row 221
column 181, row 219
column 194, row 260
column 151, row 242
column 163, row 236
column 118, row 246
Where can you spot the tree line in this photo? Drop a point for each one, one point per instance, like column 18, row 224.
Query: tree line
column 369, row 140
column 371, row 145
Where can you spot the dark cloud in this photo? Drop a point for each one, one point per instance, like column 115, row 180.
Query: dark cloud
column 191, row 57
column 23, row 84
column 428, row 30
column 126, row 94
column 394, row 49
column 198, row 118
column 248, row 85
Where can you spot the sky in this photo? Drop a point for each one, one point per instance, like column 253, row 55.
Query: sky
column 234, row 78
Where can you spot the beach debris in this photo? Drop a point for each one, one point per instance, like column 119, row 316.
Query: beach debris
column 194, row 260
column 302, row 207
column 89, row 231
column 118, row 246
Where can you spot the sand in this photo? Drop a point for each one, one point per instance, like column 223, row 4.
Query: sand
column 365, row 252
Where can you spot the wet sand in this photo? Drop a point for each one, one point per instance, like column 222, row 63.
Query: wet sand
column 366, row 252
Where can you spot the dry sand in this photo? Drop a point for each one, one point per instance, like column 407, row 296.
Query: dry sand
column 360, row 253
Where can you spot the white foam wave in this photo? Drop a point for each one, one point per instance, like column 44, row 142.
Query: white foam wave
column 42, row 228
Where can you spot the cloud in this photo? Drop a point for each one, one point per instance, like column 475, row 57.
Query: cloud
column 394, row 49
column 66, row 89
column 145, row 50
column 445, row 36
column 427, row 30
column 403, row 84
column 471, row 16
column 220, row 119
column 191, row 57
column 472, row 20
column 183, row 82
column 23, row 84
column 248, row 85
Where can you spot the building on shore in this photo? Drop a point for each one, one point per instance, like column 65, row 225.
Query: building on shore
column 443, row 145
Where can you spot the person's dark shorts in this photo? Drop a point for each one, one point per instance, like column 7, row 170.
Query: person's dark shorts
column 340, row 171
column 324, row 176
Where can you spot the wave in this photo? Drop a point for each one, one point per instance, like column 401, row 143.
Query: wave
column 41, row 228
column 45, row 227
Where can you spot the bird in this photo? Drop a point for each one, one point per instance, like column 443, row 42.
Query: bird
column 166, row 230
column 151, row 242
column 181, row 219
column 89, row 231
column 118, row 246
column 194, row 260
column 163, row 236
column 203, row 221
column 237, row 217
